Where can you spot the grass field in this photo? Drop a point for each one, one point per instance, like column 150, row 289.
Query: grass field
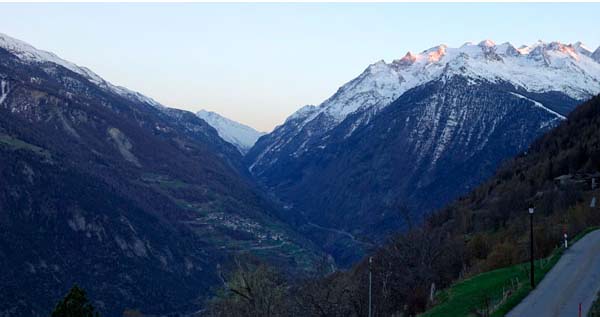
column 496, row 292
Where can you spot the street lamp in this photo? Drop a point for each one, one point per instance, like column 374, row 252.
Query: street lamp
column 531, row 210
column 370, row 280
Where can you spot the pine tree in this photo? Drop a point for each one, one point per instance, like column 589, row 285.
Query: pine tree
column 75, row 304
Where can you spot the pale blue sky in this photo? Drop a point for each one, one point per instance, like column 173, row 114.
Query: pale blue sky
column 258, row 63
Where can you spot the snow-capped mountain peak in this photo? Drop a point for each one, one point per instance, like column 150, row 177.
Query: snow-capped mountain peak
column 240, row 135
column 487, row 43
column 30, row 54
column 408, row 59
column 540, row 67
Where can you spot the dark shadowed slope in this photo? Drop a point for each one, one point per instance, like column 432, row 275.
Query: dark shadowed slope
column 101, row 186
column 485, row 230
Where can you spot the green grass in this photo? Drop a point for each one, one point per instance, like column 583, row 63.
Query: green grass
column 496, row 292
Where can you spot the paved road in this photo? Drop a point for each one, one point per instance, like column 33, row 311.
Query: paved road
column 574, row 279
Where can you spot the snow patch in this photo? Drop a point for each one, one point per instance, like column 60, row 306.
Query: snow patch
column 4, row 90
column 539, row 105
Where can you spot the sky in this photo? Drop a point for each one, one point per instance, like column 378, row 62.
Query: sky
column 258, row 63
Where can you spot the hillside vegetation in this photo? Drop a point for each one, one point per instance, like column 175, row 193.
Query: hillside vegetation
column 483, row 231
column 120, row 195
column 496, row 292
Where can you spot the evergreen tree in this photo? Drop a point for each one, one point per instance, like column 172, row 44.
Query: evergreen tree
column 75, row 304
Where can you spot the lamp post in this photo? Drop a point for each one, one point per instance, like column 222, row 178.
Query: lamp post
column 370, row 280
column 531, row 210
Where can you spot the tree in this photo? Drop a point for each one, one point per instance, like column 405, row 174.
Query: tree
column 75, row 304
column 329, row 296
column 252, row 290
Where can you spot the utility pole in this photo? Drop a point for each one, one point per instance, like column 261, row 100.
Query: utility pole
column 370, row 281
column 531, row 210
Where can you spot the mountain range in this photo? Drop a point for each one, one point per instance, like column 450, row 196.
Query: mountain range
column 404, row 138
column 145, row 206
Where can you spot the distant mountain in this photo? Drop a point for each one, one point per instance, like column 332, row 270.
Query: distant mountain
column 240, row 135
column 138, row 203
column 414, row 134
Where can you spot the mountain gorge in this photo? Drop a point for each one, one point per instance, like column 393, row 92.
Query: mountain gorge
column 404, row 138
column 138, row 203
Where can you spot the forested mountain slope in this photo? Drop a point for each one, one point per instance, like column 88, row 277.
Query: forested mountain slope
column 137, row 203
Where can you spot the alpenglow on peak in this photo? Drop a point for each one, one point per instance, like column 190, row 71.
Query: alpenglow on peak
column 540, row 67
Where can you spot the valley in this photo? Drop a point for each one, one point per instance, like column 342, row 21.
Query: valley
column 415, row 174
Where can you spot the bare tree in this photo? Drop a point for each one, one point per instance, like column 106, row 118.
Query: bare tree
column 251, row 290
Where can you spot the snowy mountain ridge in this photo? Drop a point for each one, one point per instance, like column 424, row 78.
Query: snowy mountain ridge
column 542, row 67
column 28, row 53
column 569, row 69
column 240, row 135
